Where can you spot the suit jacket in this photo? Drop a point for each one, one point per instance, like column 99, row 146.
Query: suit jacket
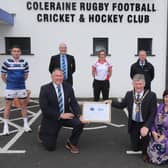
column 50, row 108
column 147, row 71
column 55, row 63
column 148, row 108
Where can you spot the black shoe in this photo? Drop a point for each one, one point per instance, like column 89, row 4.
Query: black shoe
column 145, row 158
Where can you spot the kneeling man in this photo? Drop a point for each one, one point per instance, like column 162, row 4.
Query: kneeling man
column 59, row 108
column 141, row 105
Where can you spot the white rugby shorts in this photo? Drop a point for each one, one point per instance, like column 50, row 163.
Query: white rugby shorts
column 11, row 94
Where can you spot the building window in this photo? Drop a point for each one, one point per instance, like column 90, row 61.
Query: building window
column 100, row 44
column 23, row 42
column 145, row 44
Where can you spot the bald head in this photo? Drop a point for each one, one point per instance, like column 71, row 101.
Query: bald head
column 62, row 48
column 142, row 55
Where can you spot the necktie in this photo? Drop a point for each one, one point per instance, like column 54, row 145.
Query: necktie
column 142, row 64
column 60, row 99
column 137, row 110
column 64, row 67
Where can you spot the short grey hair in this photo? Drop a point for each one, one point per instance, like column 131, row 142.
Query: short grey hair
column 62, row 45
column 142, row 51
column 139, row 77
column 57, row 69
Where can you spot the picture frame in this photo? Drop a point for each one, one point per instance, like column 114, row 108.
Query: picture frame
column 97, row 112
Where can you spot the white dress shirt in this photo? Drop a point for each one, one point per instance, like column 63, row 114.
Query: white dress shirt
column 134, row 108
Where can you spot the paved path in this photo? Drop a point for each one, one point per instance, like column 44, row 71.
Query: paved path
column 103, row 147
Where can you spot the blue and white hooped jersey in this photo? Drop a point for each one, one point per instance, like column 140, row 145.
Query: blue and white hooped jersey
column 15, row 73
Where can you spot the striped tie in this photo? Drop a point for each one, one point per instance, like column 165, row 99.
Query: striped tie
column 60, row 99
column 64, row 67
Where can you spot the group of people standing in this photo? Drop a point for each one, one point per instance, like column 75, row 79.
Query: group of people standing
column 147, row 123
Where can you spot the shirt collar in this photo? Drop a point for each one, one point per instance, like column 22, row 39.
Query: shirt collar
column 140, row 62
column 62, row 55
column 55, row 85
column 15, row 60
column 141, row 94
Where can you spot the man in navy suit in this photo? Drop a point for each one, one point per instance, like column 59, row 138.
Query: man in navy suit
column 141, row 105
column 63, row 61
column 59, row 108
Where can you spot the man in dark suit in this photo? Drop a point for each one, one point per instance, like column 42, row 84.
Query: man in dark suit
column 59, row 108
column 141, row 105
column 63, row 61
column 142, row 66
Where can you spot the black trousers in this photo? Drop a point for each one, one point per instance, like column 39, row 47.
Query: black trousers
column 147, row 87
column 101, row 86
column 138, row 142
column 70, row 81
column 49, row 135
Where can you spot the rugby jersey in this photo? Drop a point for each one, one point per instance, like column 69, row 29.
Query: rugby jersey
column 101, row 69
column 15, row 72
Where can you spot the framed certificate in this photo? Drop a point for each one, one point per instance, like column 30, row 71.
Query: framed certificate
column 97, row 112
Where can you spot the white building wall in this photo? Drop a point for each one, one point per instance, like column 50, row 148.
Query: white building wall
column 45, row 38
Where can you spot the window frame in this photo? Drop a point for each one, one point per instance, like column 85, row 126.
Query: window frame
column 15, row 38
column 106, row 45
column 151, row 47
